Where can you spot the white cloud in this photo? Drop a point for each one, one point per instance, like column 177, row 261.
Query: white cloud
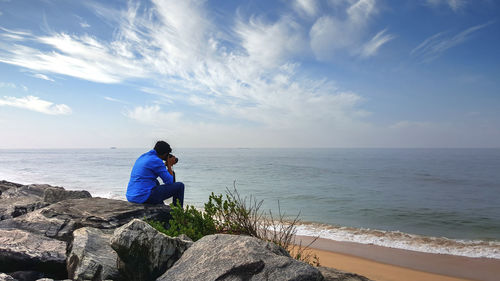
column 152, row 115
column 115, row 100
column 361, row 11
column 455, row 5
column 371, row 47
column 434, row 46
column 16, row 32
column 78, row 56
column 244, row 74
column 36, row 104
column 84, row 24
column 271, row 44
column 7, row 85
column 331, row 34
column 43, row 76
column 306, row 7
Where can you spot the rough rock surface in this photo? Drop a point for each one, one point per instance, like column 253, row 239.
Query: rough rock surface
column 230, row 257
column 27, row 275
column 4, row 185
column 184, row 237
column 18, row 199
column 21, row 250
column 5, row 277
column 90, row 256
column 48, row 279
column 59, row 220
column 52, row 195
column 144, row 252
column 331, row 274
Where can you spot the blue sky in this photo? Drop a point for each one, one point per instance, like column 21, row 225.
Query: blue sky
column 298, row 73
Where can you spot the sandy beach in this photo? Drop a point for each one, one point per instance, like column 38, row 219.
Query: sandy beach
column 389, row 264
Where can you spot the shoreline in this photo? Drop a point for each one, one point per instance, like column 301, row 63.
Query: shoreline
column 383, row 263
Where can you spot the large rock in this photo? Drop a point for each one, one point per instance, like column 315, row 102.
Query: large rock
column 231, row 257
column 90, row 256
column 52, row 195
column 21, row 250
column 5, row 277
column 331, row 274
column 4, row 185
column 27, row 275
column 19, row 200
column 144, row 252
column 59, row 220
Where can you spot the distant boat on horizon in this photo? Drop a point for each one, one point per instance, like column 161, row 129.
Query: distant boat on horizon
column 113, row 147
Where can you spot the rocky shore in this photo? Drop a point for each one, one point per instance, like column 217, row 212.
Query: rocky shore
column 49, row 233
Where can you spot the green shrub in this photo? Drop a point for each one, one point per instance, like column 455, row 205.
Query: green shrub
column 233, row 214
column 189, row 221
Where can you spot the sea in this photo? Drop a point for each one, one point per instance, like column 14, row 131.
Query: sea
column 444, row 201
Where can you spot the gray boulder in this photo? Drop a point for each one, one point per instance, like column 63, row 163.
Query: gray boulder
column 19, row 200
column 184, row 237
column 90, row 256
column 21, row 250
column 231, row 257
column 36, row 190
column 59, row 220
column 52, row 195
column 4, row 185
column 5, row 277
column 144, row 252
column 331, row 274
column 26, row 275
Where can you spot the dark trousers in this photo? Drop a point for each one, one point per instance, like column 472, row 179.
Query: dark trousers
column 165, row 191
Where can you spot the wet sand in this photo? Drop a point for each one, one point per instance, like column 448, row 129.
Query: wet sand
column 382, row 263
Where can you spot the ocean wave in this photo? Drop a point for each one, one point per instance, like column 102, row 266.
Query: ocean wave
column 401, row 240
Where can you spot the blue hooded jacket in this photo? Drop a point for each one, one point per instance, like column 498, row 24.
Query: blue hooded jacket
column 146, row 169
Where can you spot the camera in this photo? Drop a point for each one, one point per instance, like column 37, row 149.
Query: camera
column 176, row 159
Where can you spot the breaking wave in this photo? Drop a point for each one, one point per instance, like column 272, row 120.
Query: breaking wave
column 401, row 240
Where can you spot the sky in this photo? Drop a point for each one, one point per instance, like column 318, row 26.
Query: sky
column 218, row 73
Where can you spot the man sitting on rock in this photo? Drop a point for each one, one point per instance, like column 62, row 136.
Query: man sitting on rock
column 144, row 187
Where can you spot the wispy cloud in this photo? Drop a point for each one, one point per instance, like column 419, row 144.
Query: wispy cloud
column 43, row 76
column 115, row 100
column 78, row 56
column 153, row 115
column 371, row 47
column 306, row 7
column 455, row 5
column 331, row 34
column 84, row 24
column 434, row 46
column 36, row 104
column 283, row 39
column 7, row 85
column 246, row 74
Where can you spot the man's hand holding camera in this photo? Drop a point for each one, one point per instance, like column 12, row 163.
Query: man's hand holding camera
column 171, row 161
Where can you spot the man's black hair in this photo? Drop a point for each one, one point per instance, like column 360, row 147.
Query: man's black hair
column 162, row 147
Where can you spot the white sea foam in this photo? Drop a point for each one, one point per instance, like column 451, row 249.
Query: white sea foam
column 400, row 240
